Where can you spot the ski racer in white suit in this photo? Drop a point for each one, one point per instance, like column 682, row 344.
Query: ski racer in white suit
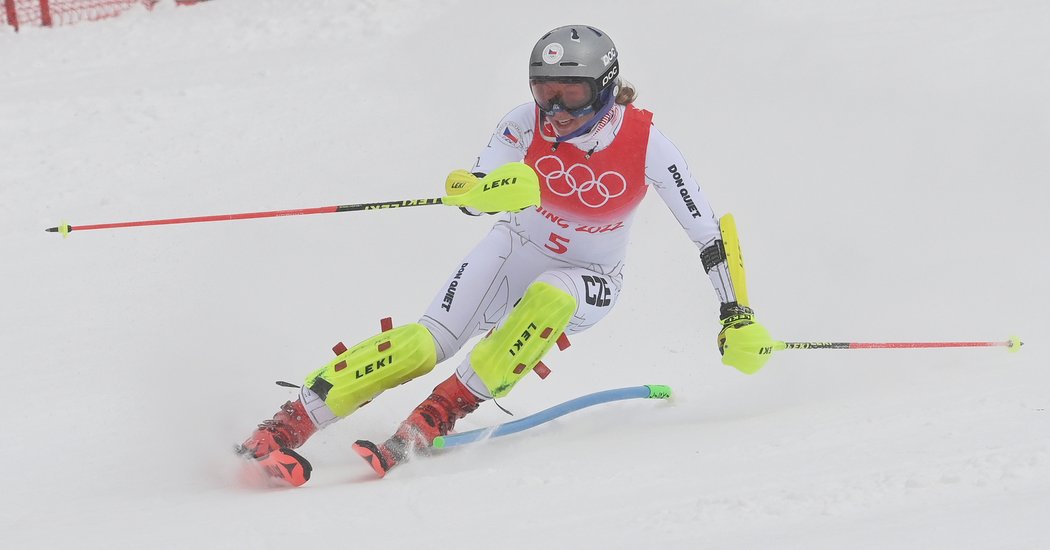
column 541, row 272
column 577, row 239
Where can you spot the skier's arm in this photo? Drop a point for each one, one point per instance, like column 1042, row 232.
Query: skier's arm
column 743, row 342
column 667, row 172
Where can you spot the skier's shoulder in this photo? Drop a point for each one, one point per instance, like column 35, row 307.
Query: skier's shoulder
column 659, row 145
column 516, row 127
column 662, row 154
column 645, row 116
column 522, row 116
column 638, row 112
column 523, row 112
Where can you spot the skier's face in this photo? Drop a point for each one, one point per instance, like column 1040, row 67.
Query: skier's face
column 565, row 124
column 574, row 95
column 567, row 104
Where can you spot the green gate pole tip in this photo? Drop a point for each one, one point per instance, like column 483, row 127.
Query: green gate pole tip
column 1015, row 344
column 439, row 442
column 659, row 391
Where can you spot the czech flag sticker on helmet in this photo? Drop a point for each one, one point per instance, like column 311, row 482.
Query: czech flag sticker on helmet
column 553, row 53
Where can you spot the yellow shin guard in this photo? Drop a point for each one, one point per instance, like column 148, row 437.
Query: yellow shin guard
column 506, row 355
column 366, row 370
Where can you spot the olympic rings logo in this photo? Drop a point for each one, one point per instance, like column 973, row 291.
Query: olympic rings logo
column 594, row 192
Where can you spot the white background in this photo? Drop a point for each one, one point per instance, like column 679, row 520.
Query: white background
column 886, row 160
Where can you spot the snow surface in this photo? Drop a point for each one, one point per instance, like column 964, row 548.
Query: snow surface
column 888, row 163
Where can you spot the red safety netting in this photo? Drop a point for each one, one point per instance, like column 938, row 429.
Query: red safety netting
column 48, row 13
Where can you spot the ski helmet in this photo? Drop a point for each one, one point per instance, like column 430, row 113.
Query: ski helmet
column 574, row 69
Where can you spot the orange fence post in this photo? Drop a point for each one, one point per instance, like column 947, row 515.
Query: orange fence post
column 45, row 12
column 12, row 13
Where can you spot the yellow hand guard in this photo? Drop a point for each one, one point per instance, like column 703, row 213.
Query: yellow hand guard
column 509, row 188
column 744, row 343
column 459, row 182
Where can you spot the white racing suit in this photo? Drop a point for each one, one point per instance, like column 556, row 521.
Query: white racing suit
column 590, row 188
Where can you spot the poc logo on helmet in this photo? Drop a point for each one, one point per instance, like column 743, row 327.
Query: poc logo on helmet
column 611, row 75
column 609, row 57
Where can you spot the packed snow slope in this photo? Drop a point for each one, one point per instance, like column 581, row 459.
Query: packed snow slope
column 886, row 160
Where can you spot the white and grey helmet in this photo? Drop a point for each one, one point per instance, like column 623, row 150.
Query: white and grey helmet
column 574, row 54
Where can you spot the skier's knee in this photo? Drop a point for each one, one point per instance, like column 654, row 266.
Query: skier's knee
column 507, row 354
column 379, row 363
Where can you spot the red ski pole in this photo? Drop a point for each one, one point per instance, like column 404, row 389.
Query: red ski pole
column 509, row 188
column 1012, row 345
column 65, row 229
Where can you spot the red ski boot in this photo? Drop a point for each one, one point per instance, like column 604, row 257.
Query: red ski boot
column 271, row 444
column 286, row 465
column 289, row 428
column 435, row 416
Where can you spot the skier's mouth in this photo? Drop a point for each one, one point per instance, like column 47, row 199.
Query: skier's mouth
column 564, row 123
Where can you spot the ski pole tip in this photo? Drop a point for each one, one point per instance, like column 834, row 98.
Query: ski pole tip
column 1015, row 344
column 63, row 228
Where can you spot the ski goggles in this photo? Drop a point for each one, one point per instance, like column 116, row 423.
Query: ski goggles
column 573, row 96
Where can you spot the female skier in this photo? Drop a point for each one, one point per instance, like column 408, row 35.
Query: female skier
column 540, row 273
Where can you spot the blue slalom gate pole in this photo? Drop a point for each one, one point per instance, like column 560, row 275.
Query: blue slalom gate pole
column 636, row 392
